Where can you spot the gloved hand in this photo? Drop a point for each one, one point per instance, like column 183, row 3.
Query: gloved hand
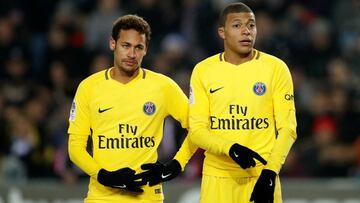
column 244, row 156
column 157, row 172
column 264, row 188
column 123, row 178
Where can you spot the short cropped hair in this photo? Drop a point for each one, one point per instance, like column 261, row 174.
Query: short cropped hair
column 233, row 8
column 128, row 22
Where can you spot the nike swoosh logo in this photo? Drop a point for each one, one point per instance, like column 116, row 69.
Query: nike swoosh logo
column 120, row 186
column 236, row 155
column 271, row 183
column 103, row 110
column 165, row 176
column 214, row 90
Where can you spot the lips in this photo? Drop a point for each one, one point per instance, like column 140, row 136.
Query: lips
column 130, row 62
column 245, row 42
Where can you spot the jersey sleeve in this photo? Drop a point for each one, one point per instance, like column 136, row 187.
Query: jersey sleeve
column 79, row 120
column 79, row 131
column 178, row 108
column 199, row 118
column 79, row 155
column 285, row 118
column 185, row 152
column 177, row 103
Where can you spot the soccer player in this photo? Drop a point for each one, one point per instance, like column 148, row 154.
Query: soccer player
column 242, row 113
column 123, row 109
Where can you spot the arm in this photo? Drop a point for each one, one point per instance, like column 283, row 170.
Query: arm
column 199, row 118
column 178, row 108
column 285, row 119
column 79, row 130
column 79, row 155
column 285, row 122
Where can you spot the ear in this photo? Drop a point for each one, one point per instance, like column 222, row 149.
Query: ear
column 112, row 44
column 221, row 32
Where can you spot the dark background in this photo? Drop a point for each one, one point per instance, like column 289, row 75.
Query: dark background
column 48, row 46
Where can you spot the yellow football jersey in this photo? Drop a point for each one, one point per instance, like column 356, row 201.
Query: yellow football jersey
column 126, row 126
column 251, row 104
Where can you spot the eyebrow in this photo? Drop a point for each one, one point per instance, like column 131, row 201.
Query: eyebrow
column 140, row 46
column 248, row 21
column 128, row 43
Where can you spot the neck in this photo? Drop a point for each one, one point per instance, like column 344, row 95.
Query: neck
column 123, row 77
column 237, row 58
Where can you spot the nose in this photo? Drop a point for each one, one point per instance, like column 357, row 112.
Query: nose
column 131, row 53
column 245, row 30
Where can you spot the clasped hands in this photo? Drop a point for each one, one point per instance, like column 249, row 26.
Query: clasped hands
column 126, row 179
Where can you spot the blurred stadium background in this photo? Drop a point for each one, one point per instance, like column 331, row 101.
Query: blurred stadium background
column 48, row 46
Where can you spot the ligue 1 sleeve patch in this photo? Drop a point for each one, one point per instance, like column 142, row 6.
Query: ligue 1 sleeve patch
column 259, row 88
column 149, row 108
column 72, row 111
column 191, row 96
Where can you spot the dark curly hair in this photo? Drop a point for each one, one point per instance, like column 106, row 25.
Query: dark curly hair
column 233, row 8
column 128, row 22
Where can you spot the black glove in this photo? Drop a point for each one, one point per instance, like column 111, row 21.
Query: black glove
column 244, row 156
column 264, row 188
column 123, row 178
column 158, row 172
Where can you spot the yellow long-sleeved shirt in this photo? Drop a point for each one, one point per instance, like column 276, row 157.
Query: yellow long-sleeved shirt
column 126, row 126
column 251, row 104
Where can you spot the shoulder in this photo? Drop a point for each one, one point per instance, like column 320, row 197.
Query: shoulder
column 271, row 60
column 156, row 77
column 277, row 66
column 209, row 62
column 152, row 75
column 95, row 78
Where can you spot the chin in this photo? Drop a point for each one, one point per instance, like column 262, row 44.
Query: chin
column 245, row 51
column 130, row 71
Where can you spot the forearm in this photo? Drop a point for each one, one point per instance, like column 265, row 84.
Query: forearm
column 79, row 156
column 185, row 152
column 213, row 144
column 281, row 149
column 286, row 138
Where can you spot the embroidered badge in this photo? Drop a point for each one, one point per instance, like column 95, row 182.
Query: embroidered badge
column 259, row 88
column 149, row 108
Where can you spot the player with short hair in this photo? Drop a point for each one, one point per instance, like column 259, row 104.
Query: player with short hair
column 242, row 113
column 123, row 109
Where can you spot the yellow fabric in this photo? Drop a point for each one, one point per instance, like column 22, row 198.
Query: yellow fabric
column 245, row 104
column 106, row 195
column 99, row 193
column 126, row 125
column 125, row 199
column 232, row 190
column 185, row 152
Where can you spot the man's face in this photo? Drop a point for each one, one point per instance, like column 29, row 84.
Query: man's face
column 129, row 50
column 239, row 32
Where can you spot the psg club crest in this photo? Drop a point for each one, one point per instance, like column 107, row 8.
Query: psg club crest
column 149, row 108
column 259, row 88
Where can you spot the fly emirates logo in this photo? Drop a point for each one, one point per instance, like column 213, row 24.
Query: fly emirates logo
column 127, row 139
column 238, row 120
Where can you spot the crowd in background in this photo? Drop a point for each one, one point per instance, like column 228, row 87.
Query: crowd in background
column 48, row 47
